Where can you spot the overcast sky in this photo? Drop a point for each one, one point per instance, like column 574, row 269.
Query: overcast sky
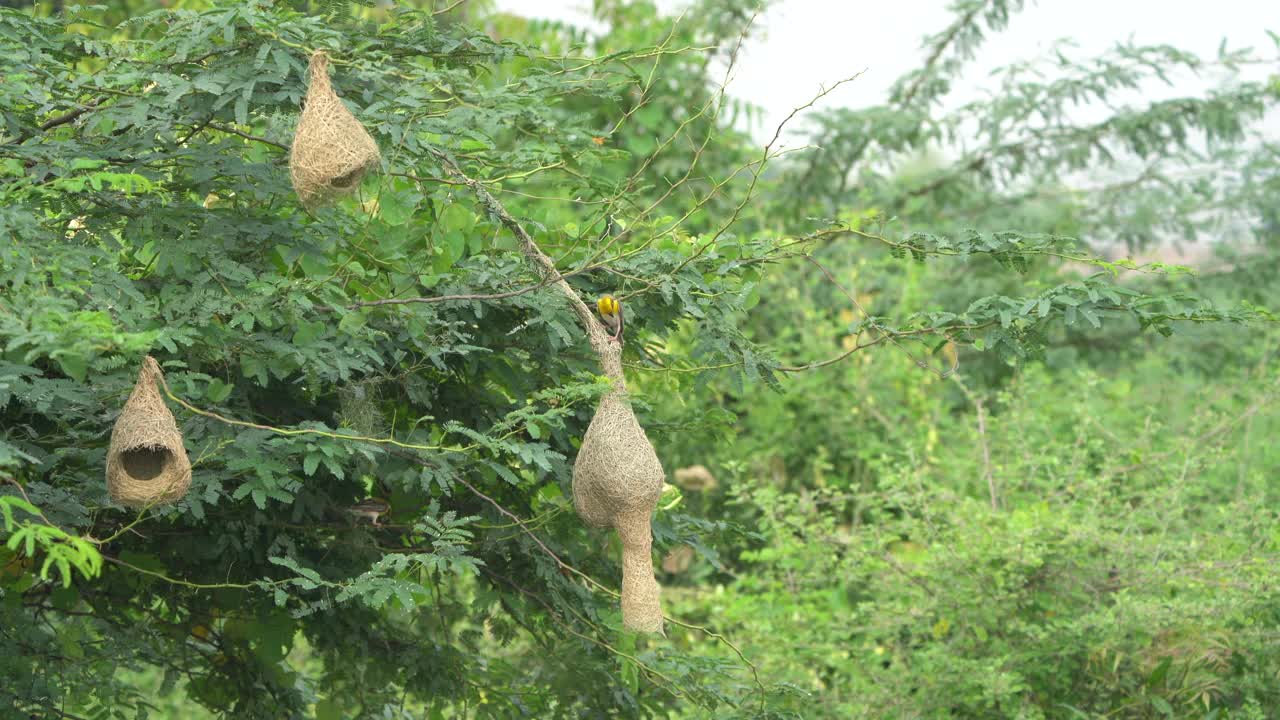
column 806, row 43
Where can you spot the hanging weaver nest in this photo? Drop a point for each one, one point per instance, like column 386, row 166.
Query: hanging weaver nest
column 146, row 462
column 358, row 407
column 696, row 478
column 617, row 479
column 678, row 560
column 331, row 149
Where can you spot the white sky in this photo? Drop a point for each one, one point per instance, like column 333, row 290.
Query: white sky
column 808, row 43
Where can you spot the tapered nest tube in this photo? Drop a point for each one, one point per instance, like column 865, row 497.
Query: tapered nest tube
column 617, row 479
column 331, row 149
column 147, row 464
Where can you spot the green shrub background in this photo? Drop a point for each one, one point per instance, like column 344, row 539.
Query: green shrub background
column 971, row 461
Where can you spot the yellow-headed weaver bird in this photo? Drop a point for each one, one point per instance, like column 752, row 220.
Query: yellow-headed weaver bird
column 611, row 312
column 371, row 508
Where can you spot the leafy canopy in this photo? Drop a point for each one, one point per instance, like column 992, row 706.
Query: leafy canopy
column 399, row 345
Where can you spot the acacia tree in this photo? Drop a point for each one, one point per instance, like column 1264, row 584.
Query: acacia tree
column 398, row 345
column 149, row 210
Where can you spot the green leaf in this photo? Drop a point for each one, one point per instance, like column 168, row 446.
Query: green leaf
column 1157, row 677
column 330, row 709
column 314, row 266
column 75, row 365
column 397, row 207
column 308, row 332
column 217, row 390
column 1090, row 315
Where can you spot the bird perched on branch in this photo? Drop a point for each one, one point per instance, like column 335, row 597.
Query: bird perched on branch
column 611, row 312
column 371, row 509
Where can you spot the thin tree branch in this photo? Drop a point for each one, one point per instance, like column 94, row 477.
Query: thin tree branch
column 68, row 117
column 230, row 130
column 952, row 33
column 987, row 474
column 543, row 264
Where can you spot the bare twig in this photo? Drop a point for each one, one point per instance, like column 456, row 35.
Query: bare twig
column 68, row 117
column 673, row 687
column 544, row 265
column 1217, row 430
column 448, row 298
column 447, row 8
column 987, row 473
column 952, row 33
column 943, row 374
column 516, row 519
column 247, row 136
column 760, row 165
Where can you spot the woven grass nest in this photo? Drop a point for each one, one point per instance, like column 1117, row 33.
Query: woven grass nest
column 617, row 479
column 147, row 464
column 331, row 149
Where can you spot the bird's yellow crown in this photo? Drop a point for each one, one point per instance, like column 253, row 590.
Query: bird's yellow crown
column 607, row 305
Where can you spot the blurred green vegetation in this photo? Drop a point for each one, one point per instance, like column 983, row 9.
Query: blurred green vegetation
column 937, row 447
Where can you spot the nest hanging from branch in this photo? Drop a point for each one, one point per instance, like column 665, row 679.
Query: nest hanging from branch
column 147, row 464
column 617, row 479
column 331, row 149
column 696, row 478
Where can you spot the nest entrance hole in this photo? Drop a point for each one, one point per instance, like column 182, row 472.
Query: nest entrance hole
column 349, row 180
column 146, row 463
